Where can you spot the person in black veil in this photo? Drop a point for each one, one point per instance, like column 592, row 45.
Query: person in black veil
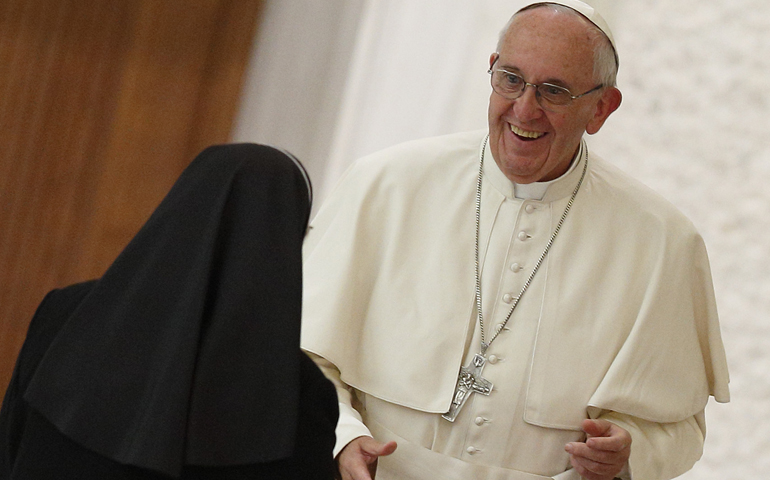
column 183, row 360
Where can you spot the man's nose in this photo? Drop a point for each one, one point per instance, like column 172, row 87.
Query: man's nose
column 526, row 107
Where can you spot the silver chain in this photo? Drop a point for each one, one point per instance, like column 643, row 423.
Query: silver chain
column 485, row 345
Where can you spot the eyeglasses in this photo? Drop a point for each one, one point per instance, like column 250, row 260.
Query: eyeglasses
column 511, row 86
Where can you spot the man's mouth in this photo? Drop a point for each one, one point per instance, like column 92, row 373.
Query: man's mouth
column 525, row 135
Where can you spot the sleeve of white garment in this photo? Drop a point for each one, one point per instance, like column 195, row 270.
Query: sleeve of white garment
column 349, row 425
column 661, row 451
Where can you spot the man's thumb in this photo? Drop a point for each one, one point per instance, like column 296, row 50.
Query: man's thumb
column 377, row 449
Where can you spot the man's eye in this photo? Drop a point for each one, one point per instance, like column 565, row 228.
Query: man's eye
column 554, row 91
column 512, row 79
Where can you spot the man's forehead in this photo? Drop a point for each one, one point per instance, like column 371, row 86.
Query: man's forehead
column 587, row 11
column 543, row 46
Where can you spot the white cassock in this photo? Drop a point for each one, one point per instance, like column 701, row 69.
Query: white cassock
column 619, row 322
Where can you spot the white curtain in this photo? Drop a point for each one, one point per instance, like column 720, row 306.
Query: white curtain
column 297, row 77
column 419, row 69
column 369, row 74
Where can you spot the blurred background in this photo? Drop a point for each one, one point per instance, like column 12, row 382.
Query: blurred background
column 104, row 103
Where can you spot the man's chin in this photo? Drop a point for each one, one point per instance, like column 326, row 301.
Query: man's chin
column 520, row 170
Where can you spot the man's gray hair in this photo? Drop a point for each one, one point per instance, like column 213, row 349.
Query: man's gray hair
column 605, row 60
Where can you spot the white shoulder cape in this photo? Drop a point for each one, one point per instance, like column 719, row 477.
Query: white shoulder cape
column 629, row 322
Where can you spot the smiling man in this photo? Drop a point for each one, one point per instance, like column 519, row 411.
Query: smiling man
column 535, row 121
column 507, row 305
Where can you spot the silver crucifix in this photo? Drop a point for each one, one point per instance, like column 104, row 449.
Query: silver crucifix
column 469, row 381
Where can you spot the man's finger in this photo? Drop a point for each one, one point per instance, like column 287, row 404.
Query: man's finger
column 581, row 450
column 592, row 471
column 609, row 444
column 604, row 435
column 604, row 453
column 597, row 428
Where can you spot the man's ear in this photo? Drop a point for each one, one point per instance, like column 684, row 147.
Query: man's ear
column 492, row 59
column 608, row 103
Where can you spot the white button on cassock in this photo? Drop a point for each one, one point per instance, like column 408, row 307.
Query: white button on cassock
column 529, row 208
column 507, row 298
column 493, row 359
column 471, row 450
column 523, row 236
column 516, row 267
column 479, row 421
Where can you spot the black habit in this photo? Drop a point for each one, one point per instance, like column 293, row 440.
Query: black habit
column 183, row 360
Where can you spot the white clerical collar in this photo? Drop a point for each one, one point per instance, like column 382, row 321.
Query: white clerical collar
column 553, row 189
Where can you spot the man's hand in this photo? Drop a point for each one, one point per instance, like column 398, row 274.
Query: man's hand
column 604, row 453
column 358, row 460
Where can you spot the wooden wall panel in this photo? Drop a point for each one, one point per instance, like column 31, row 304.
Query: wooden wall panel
column 102, row 105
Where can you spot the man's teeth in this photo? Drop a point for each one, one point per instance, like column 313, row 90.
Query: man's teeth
column 525, row 134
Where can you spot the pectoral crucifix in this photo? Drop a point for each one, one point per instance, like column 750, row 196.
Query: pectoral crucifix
column 469, row 381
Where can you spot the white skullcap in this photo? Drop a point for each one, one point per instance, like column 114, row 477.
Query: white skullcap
column 588, row 12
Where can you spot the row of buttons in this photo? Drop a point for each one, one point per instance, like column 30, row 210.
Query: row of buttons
column 507, row 298
column 478, row 421
column 517, row 267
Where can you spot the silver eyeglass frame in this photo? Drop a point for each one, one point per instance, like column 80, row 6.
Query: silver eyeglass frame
column 536, row 86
